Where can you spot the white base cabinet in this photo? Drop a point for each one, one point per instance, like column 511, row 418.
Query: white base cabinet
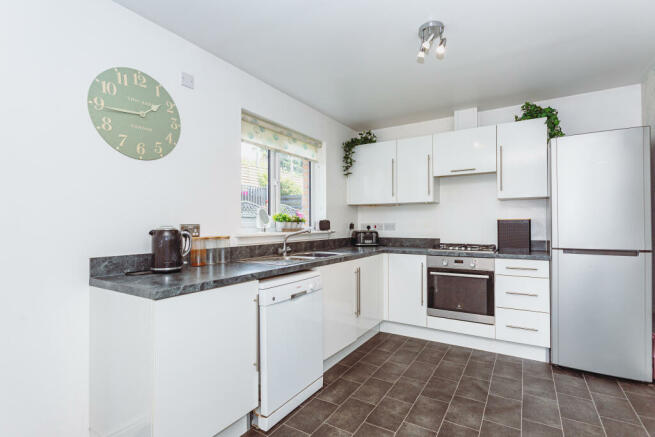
column 407, row 298
column 179, row 366
column 522, row 149
column 352, row 301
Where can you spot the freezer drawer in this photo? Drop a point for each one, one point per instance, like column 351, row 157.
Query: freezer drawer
column 602, row 313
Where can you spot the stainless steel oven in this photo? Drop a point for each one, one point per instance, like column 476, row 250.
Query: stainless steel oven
column 461, row 288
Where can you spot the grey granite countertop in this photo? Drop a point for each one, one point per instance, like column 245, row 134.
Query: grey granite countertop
column 194, row 279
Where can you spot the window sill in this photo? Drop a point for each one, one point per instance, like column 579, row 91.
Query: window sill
column 271, row 237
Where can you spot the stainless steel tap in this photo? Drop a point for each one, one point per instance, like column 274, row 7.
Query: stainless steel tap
column 284, row 250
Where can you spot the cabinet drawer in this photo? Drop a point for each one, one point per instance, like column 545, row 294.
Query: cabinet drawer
column 522, row 293
column 525, row 327
column 523, row 267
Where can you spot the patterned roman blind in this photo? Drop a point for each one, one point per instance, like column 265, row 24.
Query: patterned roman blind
column 272, row 136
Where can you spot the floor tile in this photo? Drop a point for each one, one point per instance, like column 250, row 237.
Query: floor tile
column 649, row 423
column 479, row 369
column 429, row 355
column 352, row 358
column 360, row 372
column 537, row 369
column 491, row 429
column 603, row 385
column 579, row 429
column 350, row 415
column 338, row 391
column 367, row 430
column 390, row 345
column 252, row 433
column 287, row 431
column 309, row 418
column 449, row 429
column 643, row 405
column 615, row 428
column 437, row 346
column 566, row 371
column 614, row 408
column 420, row 371
column 503, row 411
column 508, row 359
column 427, row 412
column 390, row 371
column 508, row 369
column 506, row 387
column 488, row 357
column 372, row 391
column 571, row 386
column 326, row 430
column 533, row 429
column 411, row 430
column 334, row 373
column 414, row 345
column 473, row 388
column 459, row 356
column 376, row 357
column 440, row 388
column 579, row 409
column 465, row 412
column 403, row 356
column 543, row 388
column 406, row 389
column 389, row 414
column 541, row 410
column 449, row 370
column 639, row 388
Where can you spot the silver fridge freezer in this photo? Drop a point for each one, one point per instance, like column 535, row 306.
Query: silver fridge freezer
column 601, row 257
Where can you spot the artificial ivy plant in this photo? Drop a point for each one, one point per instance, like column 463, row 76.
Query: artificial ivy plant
column 365, row 137
column 530, row 111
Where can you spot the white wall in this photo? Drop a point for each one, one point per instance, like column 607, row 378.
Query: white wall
column 468, row 209
column 67, row 196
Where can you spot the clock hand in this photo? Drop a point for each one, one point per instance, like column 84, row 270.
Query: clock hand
column 152, row 108
column 127, row 111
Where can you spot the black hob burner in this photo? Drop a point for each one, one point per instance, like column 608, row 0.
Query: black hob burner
column 461, row 247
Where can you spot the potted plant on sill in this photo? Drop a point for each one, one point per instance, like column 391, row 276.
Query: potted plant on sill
column 288, row 223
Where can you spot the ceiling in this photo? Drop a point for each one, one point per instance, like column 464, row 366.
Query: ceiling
column 355, row 60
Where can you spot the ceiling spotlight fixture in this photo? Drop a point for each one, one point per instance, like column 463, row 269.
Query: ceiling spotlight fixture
column 427, row 33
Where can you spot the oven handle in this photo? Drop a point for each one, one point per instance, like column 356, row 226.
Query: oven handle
column 460, row 275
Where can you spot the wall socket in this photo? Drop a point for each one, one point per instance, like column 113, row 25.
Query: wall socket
column 378, row 226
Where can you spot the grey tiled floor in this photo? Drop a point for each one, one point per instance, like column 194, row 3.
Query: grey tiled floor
column 401, row 386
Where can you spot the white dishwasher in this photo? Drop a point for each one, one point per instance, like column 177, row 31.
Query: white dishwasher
column 290, row 344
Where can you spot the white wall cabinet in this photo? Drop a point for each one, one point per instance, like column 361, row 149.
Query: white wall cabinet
column 179, row 366
column 372, row 181
column 465, row 151
column 414, row 177
column 522, row 155
column 407, row 298
column 352, row 301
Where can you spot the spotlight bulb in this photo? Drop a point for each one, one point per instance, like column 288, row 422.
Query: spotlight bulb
column 420, row 57
column 441, row 49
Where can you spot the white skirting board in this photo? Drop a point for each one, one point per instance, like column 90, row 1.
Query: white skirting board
column 334, row 359
column 486, row 344
column 237, row 429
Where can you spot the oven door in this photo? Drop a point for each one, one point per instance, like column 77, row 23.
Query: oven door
column 461, row 294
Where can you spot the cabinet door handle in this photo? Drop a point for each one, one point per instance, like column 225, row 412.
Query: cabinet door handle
column 518, row 293
column 257, row 359
column 521, row 268
column 522, row 327
column 393, row 176
column 429, row 175
column 421, row 284
column 359, row 291
column 462, row 169
column 500, row 159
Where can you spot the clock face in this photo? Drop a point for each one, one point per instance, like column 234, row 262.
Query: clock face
column 133, row 113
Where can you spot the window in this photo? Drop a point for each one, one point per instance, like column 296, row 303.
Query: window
column 276, row 171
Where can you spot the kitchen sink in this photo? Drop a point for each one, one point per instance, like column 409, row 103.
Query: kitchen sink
column 316, row 254
column 297, row 258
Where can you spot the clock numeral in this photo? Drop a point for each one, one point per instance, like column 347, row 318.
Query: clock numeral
column 169, row 138
column 108, row 88
column 140, row 80
column 98, row 103
column 141, row 148
column 158, row 148
column 106, row 124
column 174, row 124
column 123, row 138
column 169, row 107
column 157, row 90
column 122, row 78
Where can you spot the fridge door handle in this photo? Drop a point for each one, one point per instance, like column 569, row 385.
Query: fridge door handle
column 603, row 252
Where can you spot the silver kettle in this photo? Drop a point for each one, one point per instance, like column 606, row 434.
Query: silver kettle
column 169, row 247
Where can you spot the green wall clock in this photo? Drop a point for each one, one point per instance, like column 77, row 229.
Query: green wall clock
column 133, row 113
